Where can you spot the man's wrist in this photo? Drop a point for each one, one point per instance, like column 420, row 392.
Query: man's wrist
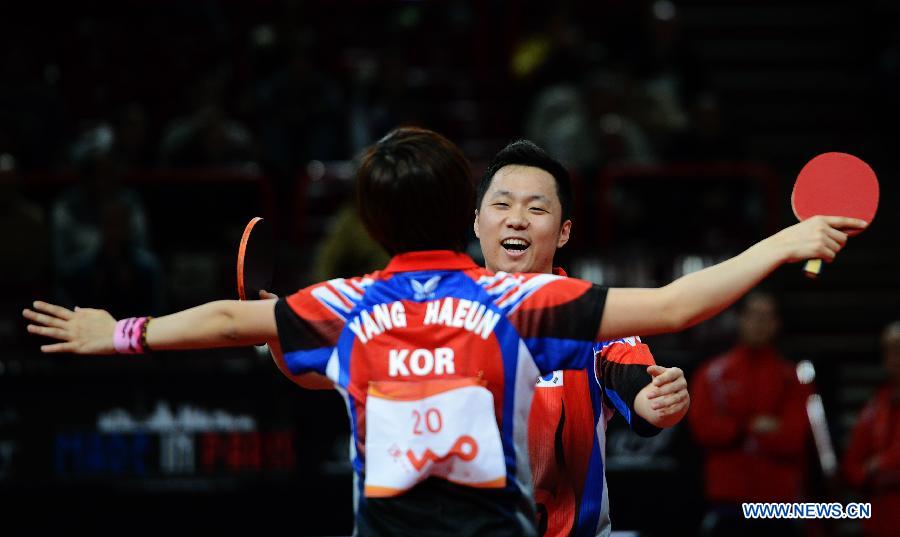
column 772, row 249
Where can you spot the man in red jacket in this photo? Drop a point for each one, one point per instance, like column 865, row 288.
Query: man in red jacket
column 872, row 461
column 749, row 413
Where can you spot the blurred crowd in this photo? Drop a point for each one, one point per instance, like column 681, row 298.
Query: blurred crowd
column 282, row 83
column 101, row 101
column 267, row 89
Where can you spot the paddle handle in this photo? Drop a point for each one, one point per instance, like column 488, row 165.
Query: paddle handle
column 812, row 268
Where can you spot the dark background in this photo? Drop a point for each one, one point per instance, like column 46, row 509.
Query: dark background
column 684, row 123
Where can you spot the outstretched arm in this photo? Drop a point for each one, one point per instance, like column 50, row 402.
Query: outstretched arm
column 224, row 323
column 696, row 297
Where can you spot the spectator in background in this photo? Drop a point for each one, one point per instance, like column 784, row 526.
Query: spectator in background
column 555, row 53
column 560, row 122
column 347, row 249
column 380, row 97
column 24, row 247
column 32, row 113
column 872, row 460
column 207, row 138
column 588, row 127
column 131, row 131
column 591, row 125
column 24, row 221
column 613, row 114
column 207, row 135
column 101, row 251
column 299, row 110
column 121, row 277
column 749, row 413
column 666, row 68
column 705, row 137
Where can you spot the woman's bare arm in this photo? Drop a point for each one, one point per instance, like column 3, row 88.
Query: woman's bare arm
column 224, row 323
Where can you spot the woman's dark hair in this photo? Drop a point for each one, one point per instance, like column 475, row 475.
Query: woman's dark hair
column 414, row 192
column 527, row 153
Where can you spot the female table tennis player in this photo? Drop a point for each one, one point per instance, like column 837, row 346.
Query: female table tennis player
column 436, row 357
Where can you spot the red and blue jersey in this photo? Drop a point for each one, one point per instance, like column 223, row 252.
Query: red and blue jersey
column 426, row 340
column 567, row 436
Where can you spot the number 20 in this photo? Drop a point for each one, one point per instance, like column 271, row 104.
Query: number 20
column 433, row 421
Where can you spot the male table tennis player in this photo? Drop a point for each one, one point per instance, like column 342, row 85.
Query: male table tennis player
column 438, row 375
column 524, row 203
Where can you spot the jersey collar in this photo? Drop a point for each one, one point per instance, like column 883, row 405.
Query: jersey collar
column 430, row 260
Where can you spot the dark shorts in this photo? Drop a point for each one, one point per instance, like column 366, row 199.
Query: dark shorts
column 437, row 507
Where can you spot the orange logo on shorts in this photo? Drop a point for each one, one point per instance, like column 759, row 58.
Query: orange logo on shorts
column 465, row 448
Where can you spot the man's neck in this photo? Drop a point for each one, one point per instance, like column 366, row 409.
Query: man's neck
column 549, row 270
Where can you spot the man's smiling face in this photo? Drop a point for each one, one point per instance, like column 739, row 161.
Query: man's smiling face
column 519, row 221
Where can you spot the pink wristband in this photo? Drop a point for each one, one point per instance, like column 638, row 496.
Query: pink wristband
column 127, row 337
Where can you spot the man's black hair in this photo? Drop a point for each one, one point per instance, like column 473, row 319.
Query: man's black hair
column 527, row 153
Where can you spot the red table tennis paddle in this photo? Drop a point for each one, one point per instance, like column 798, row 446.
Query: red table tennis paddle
column 834, row 184
column 255, row 259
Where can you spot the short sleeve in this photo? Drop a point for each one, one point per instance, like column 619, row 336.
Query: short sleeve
column 559, row 321
column 308, row 332
column 621, row 368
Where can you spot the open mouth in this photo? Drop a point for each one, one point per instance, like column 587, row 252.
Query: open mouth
column 515, row 247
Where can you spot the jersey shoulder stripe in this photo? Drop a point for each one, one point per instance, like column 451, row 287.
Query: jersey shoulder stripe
column 339, row 295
